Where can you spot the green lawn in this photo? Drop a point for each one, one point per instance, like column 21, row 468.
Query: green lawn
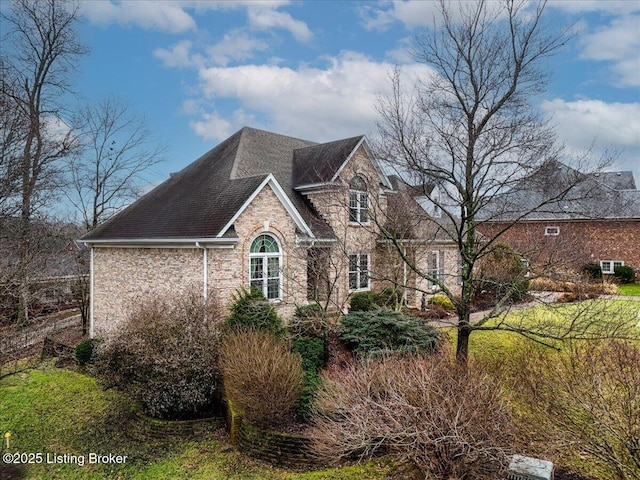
column 57, row 411
column 632, row 289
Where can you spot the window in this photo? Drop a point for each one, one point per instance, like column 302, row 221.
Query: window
column 358, row 200
column 358, row 272
column 264, row 266
column 608, row 266
column 436, row 268
column 552, row 231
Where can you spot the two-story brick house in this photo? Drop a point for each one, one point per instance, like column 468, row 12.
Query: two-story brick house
column 299, row 220
column 597, row 220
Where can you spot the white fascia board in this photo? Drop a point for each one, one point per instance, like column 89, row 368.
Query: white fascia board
column 320, row 187
column 363, row 142
column 284, row 200
column 163, row 242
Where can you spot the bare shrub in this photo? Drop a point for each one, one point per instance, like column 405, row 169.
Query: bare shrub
column 544, row 284
column 585, row 403
column 449, row 421
column 262, row 376
column 166, row 356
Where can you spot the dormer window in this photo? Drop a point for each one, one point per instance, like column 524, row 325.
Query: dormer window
column 358, row 200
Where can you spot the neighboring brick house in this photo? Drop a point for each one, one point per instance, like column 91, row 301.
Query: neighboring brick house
column 598, row 221
column 292, row 217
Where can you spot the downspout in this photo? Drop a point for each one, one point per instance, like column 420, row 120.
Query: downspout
column 91, row 294
column 205, row 271
column 404, row 276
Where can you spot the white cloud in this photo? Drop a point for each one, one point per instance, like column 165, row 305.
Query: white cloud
column 265, row 17
column 314, row 103
column 168, row 16
column 618, row 42
column 610, row 125
column 235, row 45
column 178, row 56
column 412, row 13
column 608, row 6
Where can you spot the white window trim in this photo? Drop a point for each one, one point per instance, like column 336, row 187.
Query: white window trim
column 439, row 269
column 265, row 257
column 358, row 272
column 613, row 264
column 548, row 231
column 358, row 208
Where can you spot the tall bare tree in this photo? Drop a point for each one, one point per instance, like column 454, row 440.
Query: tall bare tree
column 108, row 171
column 470, row 132
column 40, row 50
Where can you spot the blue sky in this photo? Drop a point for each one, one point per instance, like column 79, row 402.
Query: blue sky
column 200, row 70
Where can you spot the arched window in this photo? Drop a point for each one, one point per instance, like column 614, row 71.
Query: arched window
column 358, row 200
column 265, row 270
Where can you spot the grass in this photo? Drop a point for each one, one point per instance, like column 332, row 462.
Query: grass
column 58, row 411
column 497, row 347
column 631, row 289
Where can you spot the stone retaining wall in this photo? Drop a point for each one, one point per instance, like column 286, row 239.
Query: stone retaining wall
column 142, row 428
column 282, row 449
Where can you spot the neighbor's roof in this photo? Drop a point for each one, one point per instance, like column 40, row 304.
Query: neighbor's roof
column 559, row 192
column 201, row 200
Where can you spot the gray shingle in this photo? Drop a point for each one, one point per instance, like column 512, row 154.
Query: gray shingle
column 201, row 199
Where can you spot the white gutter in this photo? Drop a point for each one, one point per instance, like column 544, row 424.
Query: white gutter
column 222, row 242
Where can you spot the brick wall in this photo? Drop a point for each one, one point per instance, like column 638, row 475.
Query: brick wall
column 578, row 242
column 352, row 237
column 123, row 277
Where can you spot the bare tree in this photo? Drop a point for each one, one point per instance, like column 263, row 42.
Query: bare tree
column 108, row 172
column 470, row 133
column 40, row 50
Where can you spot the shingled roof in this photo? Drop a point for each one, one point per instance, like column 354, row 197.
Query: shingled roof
column 559, row 192
column 200, row 201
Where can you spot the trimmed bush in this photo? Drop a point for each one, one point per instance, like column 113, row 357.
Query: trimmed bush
column 310, row 321
column 373, row 333
column 262, row 376
column 312, row 352
column 361, row 302
column 502, row 274
column 250, row 309
column 624, row 274
column 592, row 271
column 84, row 352
column 388, row 297
column 166, row 357
column 442, row 301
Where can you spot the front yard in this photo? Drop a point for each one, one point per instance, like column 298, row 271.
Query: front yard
column 65, row 416
column 629, row 289
column 57, row 411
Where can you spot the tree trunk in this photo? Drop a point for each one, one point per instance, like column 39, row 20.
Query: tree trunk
column 462, row 345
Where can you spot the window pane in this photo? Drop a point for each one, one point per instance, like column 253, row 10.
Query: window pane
column 353, row 263
column 264, row 244
column 256, row 268
column 358, row 183
column 273, row 288
column 273, row 267
column 353, row 281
